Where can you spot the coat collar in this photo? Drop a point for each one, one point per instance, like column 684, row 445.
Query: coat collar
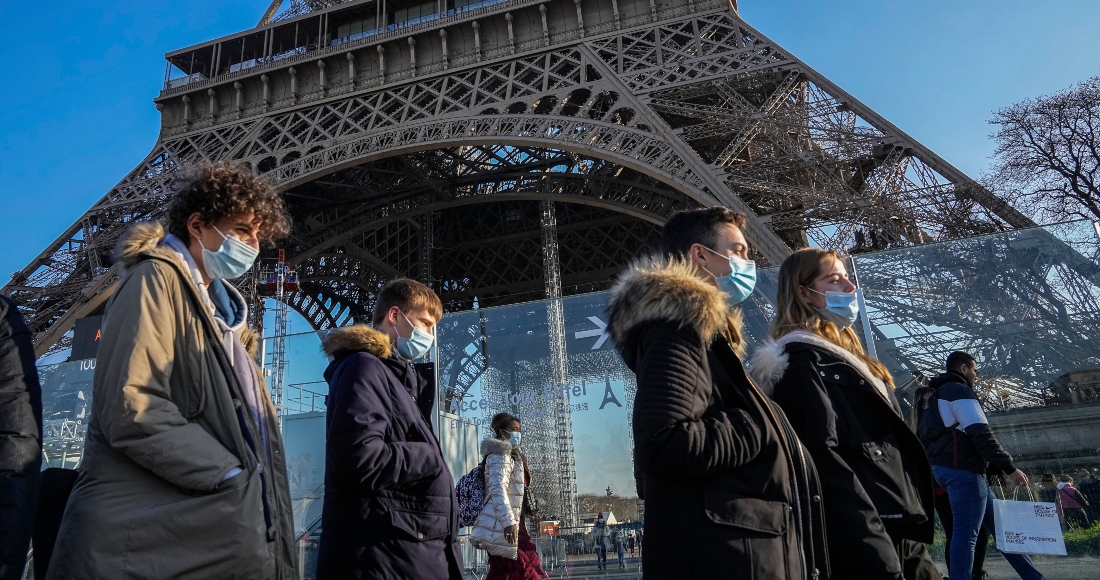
column 770, row 361
column 658, row 288
column 357, row 338
column 494, row 446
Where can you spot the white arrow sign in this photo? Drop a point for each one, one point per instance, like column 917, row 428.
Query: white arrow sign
column 601, row 332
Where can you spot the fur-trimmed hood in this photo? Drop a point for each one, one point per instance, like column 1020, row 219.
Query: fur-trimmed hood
column 356, row 338
column 136, row 242
column 768, row 364
column 494, row 446
column 658, row 288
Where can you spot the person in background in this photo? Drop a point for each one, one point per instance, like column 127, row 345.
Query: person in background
column 500, row 529
column 620, row 547
column 630, row 544
column 184, row 473
column 1048, row 491
column 389, row 509
column 1089, row 486
column 963, row 449
column 601, row 541
column 876, row 477
column 20, row 439
column 729, row 491
column 925, row 402
column 1073, row 503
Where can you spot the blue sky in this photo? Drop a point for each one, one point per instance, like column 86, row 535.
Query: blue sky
column 76, row 113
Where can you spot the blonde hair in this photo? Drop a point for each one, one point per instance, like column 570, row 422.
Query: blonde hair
column 792, row 313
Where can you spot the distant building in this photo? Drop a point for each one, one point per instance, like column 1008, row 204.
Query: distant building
column 1075, row 387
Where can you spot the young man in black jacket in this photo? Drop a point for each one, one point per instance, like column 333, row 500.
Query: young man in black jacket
column 729, row 491
column 961, row 448
column 390, row 508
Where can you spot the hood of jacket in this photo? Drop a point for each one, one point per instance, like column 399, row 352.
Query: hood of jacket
column 658, row 288
column 768, row 364
column 946, row 378
column 147, row 239
column 494, row 446
column 137, row 242
column 357, row 338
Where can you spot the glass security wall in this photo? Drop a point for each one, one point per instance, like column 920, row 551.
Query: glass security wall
column 1026, row 303
column 66, row 404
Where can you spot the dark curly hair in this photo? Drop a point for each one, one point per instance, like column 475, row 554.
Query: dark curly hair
column 222, row 190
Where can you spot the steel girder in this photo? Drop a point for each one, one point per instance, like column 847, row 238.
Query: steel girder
column 685, row 95
column 1024, row 303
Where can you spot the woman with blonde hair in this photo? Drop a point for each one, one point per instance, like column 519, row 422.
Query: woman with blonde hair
column 876, row 479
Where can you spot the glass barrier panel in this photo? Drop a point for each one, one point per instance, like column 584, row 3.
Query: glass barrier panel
column 1026, row 304
column 66, row 406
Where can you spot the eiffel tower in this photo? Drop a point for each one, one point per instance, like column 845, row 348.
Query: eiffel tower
column 511, row 150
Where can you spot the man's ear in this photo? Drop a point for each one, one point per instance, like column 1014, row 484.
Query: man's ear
column 695, row 254
column 193, row 223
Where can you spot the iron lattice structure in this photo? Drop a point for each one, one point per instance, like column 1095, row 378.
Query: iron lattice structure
column 439, row 143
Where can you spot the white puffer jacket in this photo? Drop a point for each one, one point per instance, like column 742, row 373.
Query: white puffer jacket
column 503, row 498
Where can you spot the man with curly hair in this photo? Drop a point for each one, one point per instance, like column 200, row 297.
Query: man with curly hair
column 184, row 474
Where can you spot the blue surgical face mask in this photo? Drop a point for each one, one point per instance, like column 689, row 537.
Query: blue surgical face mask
column 229, row 261
column 738, row 285
column 416, row 345
column 515, row 438
column 841, row 308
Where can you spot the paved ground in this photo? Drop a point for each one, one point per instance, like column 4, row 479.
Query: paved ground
column 585, row 569
column 1053, row 567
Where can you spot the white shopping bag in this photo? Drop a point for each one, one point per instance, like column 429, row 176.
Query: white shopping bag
column 1028, row 527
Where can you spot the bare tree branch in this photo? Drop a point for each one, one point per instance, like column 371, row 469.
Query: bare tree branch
column 1048, row 153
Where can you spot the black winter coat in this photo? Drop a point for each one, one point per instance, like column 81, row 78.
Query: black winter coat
column 20, row 439
column 389, row 509
column 876, row 477
column 973, row 448
column 728, row 490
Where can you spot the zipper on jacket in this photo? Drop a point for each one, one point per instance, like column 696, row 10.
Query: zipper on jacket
column 781, row 431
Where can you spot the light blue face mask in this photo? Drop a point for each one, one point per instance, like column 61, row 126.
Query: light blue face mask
column 417, row 345
column 515, row 438
column 739, row 284
column 231, row 260
column 841, row 308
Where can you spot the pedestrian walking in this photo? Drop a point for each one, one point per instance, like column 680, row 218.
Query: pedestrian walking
column 1073, row 503
column 501, row 529
column 620, row 548
column 389, row 509
column 630, row 544
column 962, row 450
column 20, row 439
column 601, row 541
column 876, row 478
column 925, row 402
column 1089, row 486
column 184, row 474
column 728, row 489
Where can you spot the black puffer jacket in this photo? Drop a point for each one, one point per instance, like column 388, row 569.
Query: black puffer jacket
column 20, row 439
column 965, row 442
column 728, row 490
column 873, row 468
